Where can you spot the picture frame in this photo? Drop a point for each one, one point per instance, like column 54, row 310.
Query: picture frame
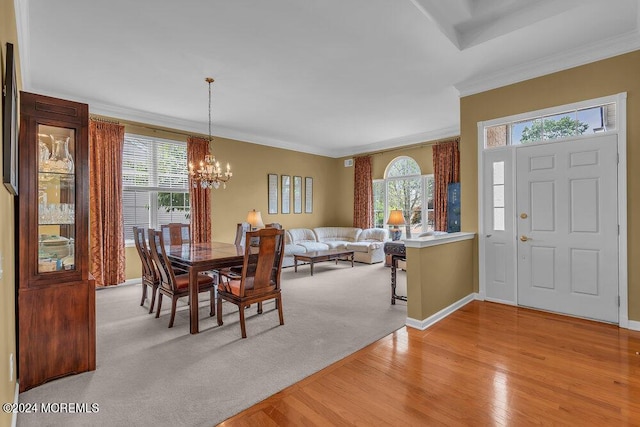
column 286, row 193
column 297, row 194
column 272, row 184
column 10, row 124
column 308, row 194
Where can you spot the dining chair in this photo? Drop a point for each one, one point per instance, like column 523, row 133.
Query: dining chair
column 172, row 285
column 176, row 233
column 241, row 231
column 150, row 277
column 259, row 279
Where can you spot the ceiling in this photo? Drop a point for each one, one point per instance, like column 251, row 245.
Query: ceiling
column 329, row 77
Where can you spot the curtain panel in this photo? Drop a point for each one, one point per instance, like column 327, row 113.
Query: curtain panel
column 197, row 148
column 446, row 169
column 106, row 233
column 362, row 193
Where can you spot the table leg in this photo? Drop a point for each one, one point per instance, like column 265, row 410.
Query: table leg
column 295, row 265
column 352, row 260
column 311, row 262
column 193, row 300
column 393, row 280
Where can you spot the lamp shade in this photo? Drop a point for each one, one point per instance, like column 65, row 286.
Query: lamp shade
column 396, row 218
column 255, row 219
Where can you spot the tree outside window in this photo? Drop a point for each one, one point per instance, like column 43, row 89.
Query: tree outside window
column 405, row 188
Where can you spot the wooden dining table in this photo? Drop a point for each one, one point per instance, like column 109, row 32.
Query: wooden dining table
column 198, row 257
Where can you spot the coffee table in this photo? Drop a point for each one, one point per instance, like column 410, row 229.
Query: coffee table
column 319, row 256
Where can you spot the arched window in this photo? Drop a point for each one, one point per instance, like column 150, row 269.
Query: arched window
column 404, row 187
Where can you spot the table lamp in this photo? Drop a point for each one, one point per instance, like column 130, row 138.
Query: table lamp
column 255, row 221
column 396, row 218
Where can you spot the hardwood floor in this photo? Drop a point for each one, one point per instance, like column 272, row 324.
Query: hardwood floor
column 486, row 364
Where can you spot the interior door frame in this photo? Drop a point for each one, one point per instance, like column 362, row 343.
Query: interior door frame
column 620, row 100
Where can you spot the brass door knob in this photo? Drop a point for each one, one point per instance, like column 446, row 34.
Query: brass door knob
column 524, row 215
column 523, row 238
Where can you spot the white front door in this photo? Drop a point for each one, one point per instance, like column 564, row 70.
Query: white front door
column 567, row 230
column 497, row 240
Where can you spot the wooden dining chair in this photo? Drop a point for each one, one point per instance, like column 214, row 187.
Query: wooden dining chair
column 241, row 231
column 150, row 277
column 172, row 285
column 176, row 233
column 259, row 279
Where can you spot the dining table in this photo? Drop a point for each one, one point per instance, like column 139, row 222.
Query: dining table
column 198, row 257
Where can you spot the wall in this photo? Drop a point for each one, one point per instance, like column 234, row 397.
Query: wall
column 247, row 190
column 421, row 153
column 8, row 33
column 602, row 78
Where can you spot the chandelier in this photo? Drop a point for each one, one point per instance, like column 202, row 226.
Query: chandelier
column 209, row 174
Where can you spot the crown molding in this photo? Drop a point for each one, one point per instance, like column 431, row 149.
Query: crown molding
column 21, row 8
column 608, row 48
column 402, row 141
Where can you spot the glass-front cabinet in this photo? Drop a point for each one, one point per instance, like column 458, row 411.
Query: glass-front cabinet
column 56, row 198
column 56, row 294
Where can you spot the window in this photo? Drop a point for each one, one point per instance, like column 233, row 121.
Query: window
column 404, row 187
column 572, row 123
column 155, row 183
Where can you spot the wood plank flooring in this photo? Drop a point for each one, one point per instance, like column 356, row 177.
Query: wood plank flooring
column 485, row 364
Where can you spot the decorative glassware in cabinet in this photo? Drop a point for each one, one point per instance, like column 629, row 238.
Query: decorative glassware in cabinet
column 56, row 199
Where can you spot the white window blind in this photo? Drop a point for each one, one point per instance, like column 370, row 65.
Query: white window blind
column 155, row 183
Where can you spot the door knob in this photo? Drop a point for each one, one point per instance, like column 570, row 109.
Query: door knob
column 523, row 215
column 524, row 238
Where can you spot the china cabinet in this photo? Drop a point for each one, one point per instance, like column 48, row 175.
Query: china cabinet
column 56, row 294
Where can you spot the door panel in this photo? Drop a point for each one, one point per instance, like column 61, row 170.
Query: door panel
column 568, row 238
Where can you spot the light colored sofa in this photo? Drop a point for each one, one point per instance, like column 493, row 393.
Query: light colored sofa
column 368, row 244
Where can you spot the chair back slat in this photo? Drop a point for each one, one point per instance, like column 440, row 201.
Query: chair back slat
column 148, row 269
column 241, row 233
column 261, row 270
column 176, row 233
column 159, row 255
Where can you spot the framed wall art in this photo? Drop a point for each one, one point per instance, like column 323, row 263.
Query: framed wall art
column 308, row 195
column 297, row 194
column 286, row 193
column 272, row 184
column 10, row 125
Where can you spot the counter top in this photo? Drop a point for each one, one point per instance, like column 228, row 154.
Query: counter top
column 440, row 239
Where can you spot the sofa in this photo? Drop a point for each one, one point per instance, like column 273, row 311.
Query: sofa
column 367, row 244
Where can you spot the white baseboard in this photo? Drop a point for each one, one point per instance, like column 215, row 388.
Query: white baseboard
column 435, row 318
column 14, row 417
column 634, row 325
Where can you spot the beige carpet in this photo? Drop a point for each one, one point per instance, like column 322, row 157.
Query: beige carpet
column 148, row 374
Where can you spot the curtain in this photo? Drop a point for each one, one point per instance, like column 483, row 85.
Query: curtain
column 106, row 233
column 446, row 169
column 362, row 193
column 197, row 148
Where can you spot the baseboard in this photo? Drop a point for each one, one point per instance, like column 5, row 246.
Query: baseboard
column 135, row 281
column 435, row 318
column 14, row 417
column 634, row 325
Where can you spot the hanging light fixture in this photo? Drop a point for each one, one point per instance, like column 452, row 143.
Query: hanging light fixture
column 209, row 174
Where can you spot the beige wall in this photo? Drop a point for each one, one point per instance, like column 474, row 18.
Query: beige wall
column 602, row 78
column 247, row 189
column 437, row 277
column 8, row 33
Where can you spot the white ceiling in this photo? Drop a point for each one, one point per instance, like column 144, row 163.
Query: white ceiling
column 330, row 77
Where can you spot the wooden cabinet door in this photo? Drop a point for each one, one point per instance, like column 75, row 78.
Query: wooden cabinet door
column 56, row 300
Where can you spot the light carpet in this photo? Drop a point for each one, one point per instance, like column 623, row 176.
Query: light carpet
column 148, row 374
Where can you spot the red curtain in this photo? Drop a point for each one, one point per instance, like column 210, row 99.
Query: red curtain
column 446, row 169
column 106, row 232
column 197, row 148
column 362, row 193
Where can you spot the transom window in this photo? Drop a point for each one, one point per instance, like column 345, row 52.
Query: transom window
column 404, row 187
column 572, row 123
column 155, row 183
